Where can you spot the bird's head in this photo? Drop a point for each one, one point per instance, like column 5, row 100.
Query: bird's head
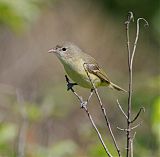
column 65, row 50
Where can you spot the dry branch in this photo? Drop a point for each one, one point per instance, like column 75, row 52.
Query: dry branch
column 130, row 68
column 84, row 106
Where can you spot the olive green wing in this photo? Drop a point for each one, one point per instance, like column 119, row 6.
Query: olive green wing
column 93, row 68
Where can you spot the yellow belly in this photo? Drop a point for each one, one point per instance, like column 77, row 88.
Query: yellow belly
column 79, row 76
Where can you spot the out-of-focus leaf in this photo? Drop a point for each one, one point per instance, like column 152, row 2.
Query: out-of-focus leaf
column 66, row 148
column 33, row 112
column 156, row 118
column 156, row 24
column 17, row 13
column 97, row 150
column 58, row 100
column 8, row 132
column 63, row 149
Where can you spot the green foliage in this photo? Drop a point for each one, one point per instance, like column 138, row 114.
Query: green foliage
column 148, row 92
column 145, row 8
column 8, row 132
column 34, row 112
column 17, row 14
column 97, row 150
column 66, row 148
column 155, row 118
column 149, row 9
column 63, row 149
column 156, row 24
column 58, row 99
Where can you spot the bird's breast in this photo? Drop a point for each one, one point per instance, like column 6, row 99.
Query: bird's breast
column 75, row 70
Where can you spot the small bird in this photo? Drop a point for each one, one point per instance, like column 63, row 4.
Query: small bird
column 81, row 67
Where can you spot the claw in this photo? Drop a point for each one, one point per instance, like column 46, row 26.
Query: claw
column 70, row 85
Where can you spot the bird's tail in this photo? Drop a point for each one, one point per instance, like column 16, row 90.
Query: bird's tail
column 114, row 86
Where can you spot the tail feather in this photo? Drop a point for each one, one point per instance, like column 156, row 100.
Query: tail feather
column 114, row 86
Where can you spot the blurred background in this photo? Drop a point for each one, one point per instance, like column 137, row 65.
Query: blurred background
column 38, row 117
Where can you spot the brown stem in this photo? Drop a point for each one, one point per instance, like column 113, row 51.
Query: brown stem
column 130, row 66
column 99, row 135
column 84, row 106
column 104, row 113
column 120, row 107
column 132, row 144
column 130, row 18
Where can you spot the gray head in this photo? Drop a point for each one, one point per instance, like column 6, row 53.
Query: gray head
column 65, row 50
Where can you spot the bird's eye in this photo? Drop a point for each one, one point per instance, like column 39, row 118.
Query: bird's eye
column 64, row 49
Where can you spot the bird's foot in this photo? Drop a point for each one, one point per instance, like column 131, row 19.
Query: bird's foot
column 69, row 84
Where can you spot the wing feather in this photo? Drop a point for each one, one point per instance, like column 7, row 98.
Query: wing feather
column 95, row 69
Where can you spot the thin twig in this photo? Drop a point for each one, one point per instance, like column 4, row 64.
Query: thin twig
column 130, row 65
column 121, row 129
column 136, row 39
column 141, row 109
column 134, row 127
column 99, row 135
column 104, row 112
column 130, row 18
column 120, row 107
column 84, row 106
column 132, row 144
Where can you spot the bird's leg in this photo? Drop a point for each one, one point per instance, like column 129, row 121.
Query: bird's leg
column 91, row 93
column 84, row 103
column 70, row 87
column 69, row 84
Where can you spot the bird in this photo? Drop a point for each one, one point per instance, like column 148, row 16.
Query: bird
column 81, row 67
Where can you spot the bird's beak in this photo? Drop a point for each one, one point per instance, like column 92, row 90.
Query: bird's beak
column 53, row 50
